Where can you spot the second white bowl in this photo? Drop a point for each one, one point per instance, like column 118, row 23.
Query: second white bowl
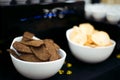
column 89, row 54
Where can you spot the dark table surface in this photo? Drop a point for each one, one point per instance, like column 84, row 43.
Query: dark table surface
column 78, row 70
column 107, row 70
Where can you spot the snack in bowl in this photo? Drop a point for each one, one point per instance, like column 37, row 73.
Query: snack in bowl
column 95, row 46
column 34, row 58
column 102, row 40
column 42, row 50
column 85, row 34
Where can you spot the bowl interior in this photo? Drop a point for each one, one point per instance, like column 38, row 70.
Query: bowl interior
column 61, row 52
column 68, row 33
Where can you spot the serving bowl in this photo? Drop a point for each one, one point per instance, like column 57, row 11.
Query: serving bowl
column 98, row 12
column 89, row 54
column 88, row 10
column 5, row 2
column 35, row 1
column 113, row 15
column 37, row 70
column 21, row 1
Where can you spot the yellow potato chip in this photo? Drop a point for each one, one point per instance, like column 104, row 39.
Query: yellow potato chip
column 89, row 40
column 77, row 36
column 86, row 28
column 101, row 38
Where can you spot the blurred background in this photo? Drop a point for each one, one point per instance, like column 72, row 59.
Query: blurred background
column 51, row 19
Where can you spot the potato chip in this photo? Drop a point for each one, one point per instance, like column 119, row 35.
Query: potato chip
column 77, row 36
column 101, row 38
column 86, row 28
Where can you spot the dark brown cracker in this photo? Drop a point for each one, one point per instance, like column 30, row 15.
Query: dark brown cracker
column 34, row 43
column 41, row 52
column 11, row 51
column 27, row 36
column 21, row 47
column 56, row 46
column 0, row 51
column 52, row 49
column 29, row 57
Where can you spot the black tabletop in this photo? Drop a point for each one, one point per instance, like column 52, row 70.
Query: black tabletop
column 72, row 69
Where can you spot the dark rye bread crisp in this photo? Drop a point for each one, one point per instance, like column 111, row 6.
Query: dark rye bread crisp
column 21, row 47
column 52, row 49
column 41, row 52
column 29, row 57
column 24, row 57
column 34, row 43
column 27, row 36
column 11, row 51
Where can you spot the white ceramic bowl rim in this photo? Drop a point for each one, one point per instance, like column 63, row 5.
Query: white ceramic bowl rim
column 68, row 32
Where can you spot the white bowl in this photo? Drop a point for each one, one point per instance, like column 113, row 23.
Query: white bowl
column 113, row 15
column 88, row 10
column 35, row 1
column 70, row 1
column 113, row 18
column 60, row 0
column 89, row 54
column 48, row 1
column 21, row 1
column 38, row 70
column 98, row 12
column 5, row 2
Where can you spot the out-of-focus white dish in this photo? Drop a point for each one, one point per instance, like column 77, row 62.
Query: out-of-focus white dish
column 38, row 70
column 60, row 0
column 113, row 18
column 5, row 2
column 70, row 1
column 89, row 54
column 113, row 14
column 101, row 11
column 21, row 1
column 35, row 1
column 88, row 10
column 98, row 12
column 48, row 1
